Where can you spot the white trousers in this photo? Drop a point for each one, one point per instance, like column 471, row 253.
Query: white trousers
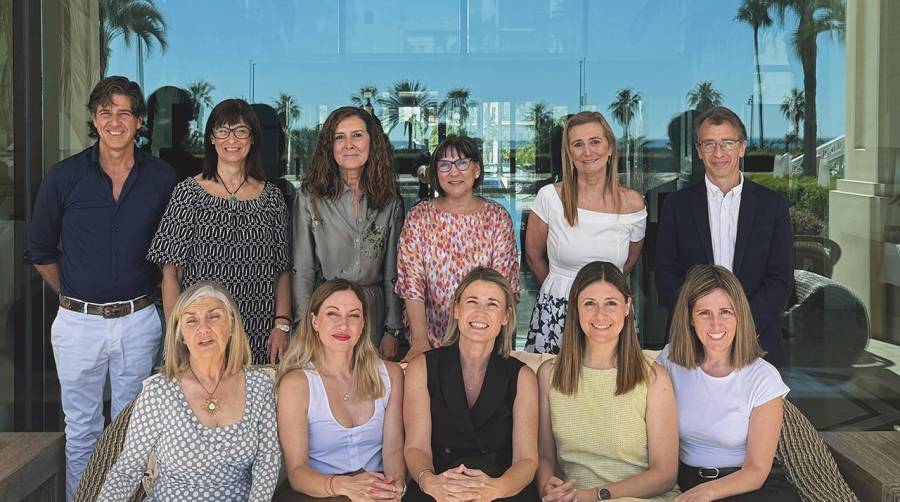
column 87, row 348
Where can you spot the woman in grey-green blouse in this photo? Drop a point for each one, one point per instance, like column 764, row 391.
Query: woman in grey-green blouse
column 347, row 220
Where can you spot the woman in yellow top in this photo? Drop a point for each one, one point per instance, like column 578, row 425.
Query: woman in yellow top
column 607, row 413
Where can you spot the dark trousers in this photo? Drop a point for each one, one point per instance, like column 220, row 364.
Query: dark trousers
column 776, row 487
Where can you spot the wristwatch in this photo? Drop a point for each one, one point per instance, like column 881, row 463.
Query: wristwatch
column 603, row 494
column 284, row 327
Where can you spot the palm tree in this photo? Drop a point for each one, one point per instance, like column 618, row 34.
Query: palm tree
column 364, row 97
column 201, row 95
column 623, row 109
column 793, row 107
column 756, row 14
column 287, row 111
column 814, row 17
column 411, row 100
column 129, row 18
column 457, row 101
column 704, row 96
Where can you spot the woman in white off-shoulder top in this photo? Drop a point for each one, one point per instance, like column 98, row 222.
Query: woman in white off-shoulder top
column 586, row 217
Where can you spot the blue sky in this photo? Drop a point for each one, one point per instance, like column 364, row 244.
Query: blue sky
column 519, row 51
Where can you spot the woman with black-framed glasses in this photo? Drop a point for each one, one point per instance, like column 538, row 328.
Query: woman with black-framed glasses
column 446, row 237
column 229, row 225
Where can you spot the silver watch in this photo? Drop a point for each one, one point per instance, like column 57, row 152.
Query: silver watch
column 603, row 494
column 284, row 327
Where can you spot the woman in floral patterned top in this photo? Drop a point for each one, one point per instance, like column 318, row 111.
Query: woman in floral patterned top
column 347, row 219
column 446, row 237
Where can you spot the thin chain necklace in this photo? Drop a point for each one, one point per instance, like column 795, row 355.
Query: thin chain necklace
column 233, row 200
column 211, row 405
column 479, row 377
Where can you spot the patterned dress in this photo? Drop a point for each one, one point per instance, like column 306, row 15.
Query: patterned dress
column 596, row 236
column 242, row 245
column 238, row 462
column 437, row 249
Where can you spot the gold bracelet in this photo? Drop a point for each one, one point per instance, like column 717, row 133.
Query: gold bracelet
column 419, row 476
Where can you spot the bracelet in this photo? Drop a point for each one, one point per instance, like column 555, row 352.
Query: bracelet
column 286, row 318
column 329, row 486
column 419, row 475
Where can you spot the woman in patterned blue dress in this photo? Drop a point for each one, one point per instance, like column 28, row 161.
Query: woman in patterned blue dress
column 208, row 418
column 231, row 226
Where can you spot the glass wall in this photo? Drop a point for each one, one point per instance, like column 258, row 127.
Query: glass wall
column 507, row 72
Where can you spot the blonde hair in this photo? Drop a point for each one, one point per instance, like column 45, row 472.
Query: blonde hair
column 569, row 192
column 503, row 343
column 237, row 351
column 701, row 280
column 631, row 366
column 306, row 348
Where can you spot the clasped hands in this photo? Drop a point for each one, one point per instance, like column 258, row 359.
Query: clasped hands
column 461, row 484
column 557, row 490
column 369, row 486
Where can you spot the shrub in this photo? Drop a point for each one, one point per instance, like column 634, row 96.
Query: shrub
column 805, row 222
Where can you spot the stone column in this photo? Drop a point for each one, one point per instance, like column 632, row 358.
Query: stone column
column 864, row 217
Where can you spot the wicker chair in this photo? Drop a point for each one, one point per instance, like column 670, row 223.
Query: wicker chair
column 105, row 454
column 827, row 324
column 808, row 461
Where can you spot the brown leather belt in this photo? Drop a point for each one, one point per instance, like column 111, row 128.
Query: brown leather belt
column 108, row 310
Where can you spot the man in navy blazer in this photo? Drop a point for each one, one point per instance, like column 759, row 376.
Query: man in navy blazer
column 730, row 221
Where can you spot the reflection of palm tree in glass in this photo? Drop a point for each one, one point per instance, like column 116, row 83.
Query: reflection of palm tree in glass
column 456, row 106
column 541, row 123
column 756, row 14
column 623, row 110
column 364, row 98
column 704, row 96
column 129, row 18
column 814, row 17
column 287, row 110
column 793, row 107
column 407, row 102
column 201, row 93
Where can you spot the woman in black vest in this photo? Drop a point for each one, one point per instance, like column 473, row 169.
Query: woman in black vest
column 471, row 411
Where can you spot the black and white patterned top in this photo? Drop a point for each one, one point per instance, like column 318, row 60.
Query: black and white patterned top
column 238, row 462
column 242, row 245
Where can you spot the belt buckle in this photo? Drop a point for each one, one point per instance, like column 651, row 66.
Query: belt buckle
column 708, row 472
column 113, row 311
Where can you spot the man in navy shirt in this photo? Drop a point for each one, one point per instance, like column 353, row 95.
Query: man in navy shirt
column 93, row 220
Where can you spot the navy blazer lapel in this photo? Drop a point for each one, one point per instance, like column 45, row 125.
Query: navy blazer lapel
column 746, row 215
column 700, row 209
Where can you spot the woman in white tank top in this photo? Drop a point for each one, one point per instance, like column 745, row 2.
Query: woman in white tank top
column 339, row 406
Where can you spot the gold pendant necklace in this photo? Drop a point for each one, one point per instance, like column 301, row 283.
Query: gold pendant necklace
column 211, row 405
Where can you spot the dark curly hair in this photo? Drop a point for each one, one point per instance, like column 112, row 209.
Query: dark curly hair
column 378, row 181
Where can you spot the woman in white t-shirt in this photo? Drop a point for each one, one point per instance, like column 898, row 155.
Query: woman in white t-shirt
column 340, row 418
column 730, row 400
column 586, row 217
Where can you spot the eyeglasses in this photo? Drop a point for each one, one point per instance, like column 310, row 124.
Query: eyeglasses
column 240, row 132
column 727, row 145
column 444, row 166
